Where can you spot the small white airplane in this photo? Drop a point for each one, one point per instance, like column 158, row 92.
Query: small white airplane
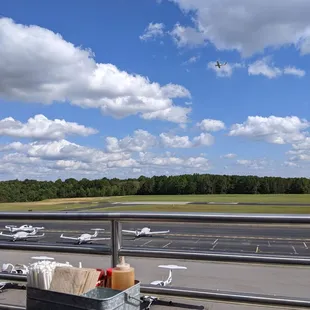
column 84, row 238
column 145, row 232
column 219, row 65
column 23, row 235
column 152, row 299
column 26, row 228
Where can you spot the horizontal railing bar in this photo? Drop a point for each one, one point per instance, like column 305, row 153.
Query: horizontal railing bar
column 14, row 277
column 54, row 248
column 207, row 256
column 11, row 307
column 226, row 296
column 159, row 216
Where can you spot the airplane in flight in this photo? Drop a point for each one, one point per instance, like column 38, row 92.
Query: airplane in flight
column 26, row 228
column 152, row 299
column 219, row 65
column 85, row 238
column 23, row 235
column 145, row 232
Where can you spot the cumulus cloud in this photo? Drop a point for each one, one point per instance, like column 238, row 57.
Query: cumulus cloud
column 253, row 164
column 186, row 36
column 191, row 60
column 175, row 141
column 28, row 52
column 229, row 155
column 245, row 26
column 211, row 125
column 41, row 128
column 140, row 141
column 153, row 30
column 266, row 68
column 224, row 71
column 272, row 129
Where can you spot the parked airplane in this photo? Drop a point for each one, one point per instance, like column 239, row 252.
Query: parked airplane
column 145, row 231
column 84, row 238
column 219, row 65
column 26, row 228
column 23, row 235
column 151, row 299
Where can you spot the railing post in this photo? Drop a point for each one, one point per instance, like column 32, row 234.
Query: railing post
column 116, row 236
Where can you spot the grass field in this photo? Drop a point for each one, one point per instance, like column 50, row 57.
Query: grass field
column 219, row 198
column 73, row 203
column 208, row 208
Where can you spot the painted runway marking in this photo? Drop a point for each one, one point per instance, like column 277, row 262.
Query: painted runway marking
column 269, row 244
column 147, row 242
column 214, row 244
column 257, row 249
column 167, row 244
column 197, row 240
column 305, row 244
column 294, row 249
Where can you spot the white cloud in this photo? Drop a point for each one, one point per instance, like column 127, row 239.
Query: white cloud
column 159, row 160
column 28, row 52
column 253, row 164
column 262, row 67
column 211, row 125
column 41, row 128
column 175, row 141
column 229, row 155
column 301, row 150
column 224, row 71
column 140, row 141
column 272, row 129
column 266, row 68
column 191, row 60
column 153, row 30
column 183, row 36
column 294, row 71
column 246, row 26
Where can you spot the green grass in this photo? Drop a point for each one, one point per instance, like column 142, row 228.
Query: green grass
column 289, row 198
column 24, row 207
column 208, row 208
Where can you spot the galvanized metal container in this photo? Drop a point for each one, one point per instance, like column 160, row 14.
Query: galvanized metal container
column 99, row 298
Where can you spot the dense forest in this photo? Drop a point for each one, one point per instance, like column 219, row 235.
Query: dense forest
column 32, row 190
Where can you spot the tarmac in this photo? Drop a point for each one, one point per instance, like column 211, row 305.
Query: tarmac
column 262, row 279
column 243, row 238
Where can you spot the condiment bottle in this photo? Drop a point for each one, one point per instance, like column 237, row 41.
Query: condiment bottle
column 108, row 278
column 123, row 276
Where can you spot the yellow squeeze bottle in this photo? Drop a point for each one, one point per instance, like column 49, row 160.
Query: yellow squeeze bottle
column 123, row 276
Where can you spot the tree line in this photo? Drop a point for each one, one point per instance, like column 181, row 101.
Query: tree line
column 32, row 190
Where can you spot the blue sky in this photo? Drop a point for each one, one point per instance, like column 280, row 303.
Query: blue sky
column 129, row 88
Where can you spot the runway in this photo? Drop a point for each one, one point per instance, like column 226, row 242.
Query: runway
column 245, row 238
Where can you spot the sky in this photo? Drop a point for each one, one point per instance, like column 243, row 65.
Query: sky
column 128, row 88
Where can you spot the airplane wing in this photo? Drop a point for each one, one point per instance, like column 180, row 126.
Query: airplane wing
column 71, row 238
column 129, row 231
column 158, row 232
column 35, row 236
column 97, row 239
column 5, row 235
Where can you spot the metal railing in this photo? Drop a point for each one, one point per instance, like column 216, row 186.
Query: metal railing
column 116, row 249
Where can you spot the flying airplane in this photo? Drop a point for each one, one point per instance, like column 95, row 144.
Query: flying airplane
column 84, row 238
column 26, row 228
column 23, row 235
column 145, row 232
column 219, row 65
column 152, row 299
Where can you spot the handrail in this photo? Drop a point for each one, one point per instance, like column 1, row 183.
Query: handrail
column 160, row 216
column 115, row 219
